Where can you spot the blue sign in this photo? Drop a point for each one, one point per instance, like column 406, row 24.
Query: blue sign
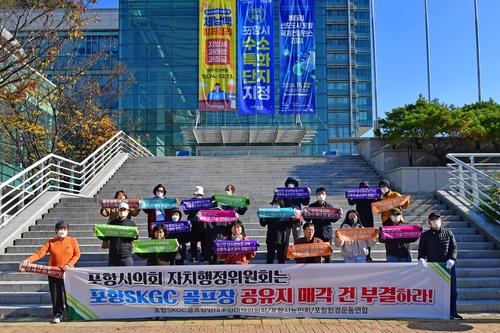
column 255, row 57
column 297, row 57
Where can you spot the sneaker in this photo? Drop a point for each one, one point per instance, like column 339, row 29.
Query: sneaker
column 456, row 316
column 56, row 320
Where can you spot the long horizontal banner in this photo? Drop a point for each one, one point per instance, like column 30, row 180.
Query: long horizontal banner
column 350, row 234
column 375, row 290
column 401, row 231
column 158, row 203
column 114, row 203
column 53, row 271
column 276, row 213
column 155, row 245
column 108, row 230
column 230, row 246
column 216, row 215
column 363, row 193
column 196, row 204
column 388, row 204
column 309, row 250
column 292, row 193
column 174, row 228
column 319, row 213
column 236, row 201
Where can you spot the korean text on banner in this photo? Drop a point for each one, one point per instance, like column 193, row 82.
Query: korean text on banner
column 108, row 230
column 53, row 271
column 388, row 204
column 114, row 203
column 230, row 246
column 155, row 245
column 292, row 193
column 174, row 227
column 158, row 203
column 401, row 231
column 320, row 213
column 350, row 234
column 276, row 213
column 196, row 204
column 309, row 250
column 217, row 55
column 216, row 215
column 363, row 193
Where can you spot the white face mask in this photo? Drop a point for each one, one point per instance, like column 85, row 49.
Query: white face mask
column 62, row 233
column 276, row 206
column 321, row 197
column 291, row 185
column 175, row 218
column 354, row 220
column 229, row 192
column 123, row 214
column 159, row 194
column 436, row 223
column 384, row 189
column 395, row 218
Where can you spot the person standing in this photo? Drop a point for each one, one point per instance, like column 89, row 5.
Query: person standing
column 396, row 250
column 278, row 231
column 196, row 227
column 295, row 204
column 159, row 259
column 64, row 253
column 439, row 245
column 353, row 251
column 237, row 234
column 308, row 239
column 387, row 193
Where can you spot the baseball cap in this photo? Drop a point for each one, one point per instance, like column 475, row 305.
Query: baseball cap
column 123, row 205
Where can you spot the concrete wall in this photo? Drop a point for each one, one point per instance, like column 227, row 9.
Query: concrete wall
column 418, row 179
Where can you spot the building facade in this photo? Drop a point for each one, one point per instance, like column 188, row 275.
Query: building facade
column 158, row 41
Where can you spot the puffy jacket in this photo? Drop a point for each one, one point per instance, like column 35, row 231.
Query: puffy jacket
column 322, row 228
column 120, row 246
column 63, row 251
column 351, row 248
column 437, row 246
column 277, row 230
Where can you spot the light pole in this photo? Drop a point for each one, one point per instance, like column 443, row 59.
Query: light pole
column 477, row 53
column 428, row 52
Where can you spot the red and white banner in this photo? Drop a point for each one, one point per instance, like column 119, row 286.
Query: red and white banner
column 375, row 290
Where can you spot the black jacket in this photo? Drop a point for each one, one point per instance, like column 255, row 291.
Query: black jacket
column 322, row 228
column 158, row 259
column 276, row 229
column 120, row 246
column 437, row 246
column 364, row 209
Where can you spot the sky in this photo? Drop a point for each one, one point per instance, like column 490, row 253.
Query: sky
column 401, row 54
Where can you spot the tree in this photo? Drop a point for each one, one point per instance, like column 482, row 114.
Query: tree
column 482, row 123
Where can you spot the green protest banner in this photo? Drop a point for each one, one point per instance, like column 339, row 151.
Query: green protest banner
column 236, row 201
column 155, row 245
column 108, row 230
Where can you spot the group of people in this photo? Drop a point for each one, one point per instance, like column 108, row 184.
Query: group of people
column 436, row 244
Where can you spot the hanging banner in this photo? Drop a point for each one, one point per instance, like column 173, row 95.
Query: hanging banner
column 363, row 193
column 388, row 204
column 271, row 213
column 158, row 203
column 352, row 234
column 217, row 55
column 174, row 227
column 114, row 203
column 196, row 204
column 309, row 250
column 230, row 246
column 297, row 57
column 319, row 213
column 110, row 230
column 155, row 245
column 216, row 215
column 52, row 271
column 255, row 57
column 375, row 290
column 401, row 231
column 292, row 193
column 235, row 201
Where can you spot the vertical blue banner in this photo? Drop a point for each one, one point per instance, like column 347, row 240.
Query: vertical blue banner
column 255, row 57
column 297, row 57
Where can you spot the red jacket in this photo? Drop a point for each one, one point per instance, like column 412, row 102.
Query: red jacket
column 63, row 251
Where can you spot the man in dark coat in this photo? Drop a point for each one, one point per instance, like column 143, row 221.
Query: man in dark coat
column 278, row 231
column 296, row 204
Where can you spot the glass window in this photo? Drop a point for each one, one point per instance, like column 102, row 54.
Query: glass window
column 338, row 87
column 364, row 102
column 337, row 59
column 340, row 74
column 363, row 88
column 338, row 102
column 363, row 59
column 339, row 132
column 362, row 30
column 338, row 44
column 363, row 45
column 336, row 14
column 364, row 74
column 338, row 118
column 337, row 29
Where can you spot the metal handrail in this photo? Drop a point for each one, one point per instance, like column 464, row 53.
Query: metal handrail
column 54, row 172
column 470, row 183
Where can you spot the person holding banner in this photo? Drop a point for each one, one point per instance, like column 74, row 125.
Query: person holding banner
column 296, row 204
column 364, row 209
column 112, row 213
column 214, row 231
column 197, row 230
column 159, row 259
column 182, row 239
column 64, row 253
column 237, row 234
column 309, row 239
column 230, row 189
column 396, row 250
column 278, row 231
column 439, row 245
column 120, row 248
column 387, row 193
column 157, row 215
column 322, row 227
column 353, row 250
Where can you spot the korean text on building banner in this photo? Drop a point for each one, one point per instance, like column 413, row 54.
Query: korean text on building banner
column 297, row 57
column 349, row 234
column 230, row 246
column 109, row 230
column 377, row 290
column 401, row 231
column 53, row 271
column 155, row 245
column 158, row 203
column 114, row 203
column 217, row 55
column 215, row 215
column 363, row 193
column 271, row 213
column 292, row 193
column 255, row 57
column 388, row 204
column 196, row 204
column 320, row 213
column 174, row 228
column 309, row 250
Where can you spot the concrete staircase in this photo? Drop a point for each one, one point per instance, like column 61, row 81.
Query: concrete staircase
column 478, row 267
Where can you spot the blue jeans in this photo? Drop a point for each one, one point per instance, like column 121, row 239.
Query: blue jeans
column 355, row 259
column 399, row 259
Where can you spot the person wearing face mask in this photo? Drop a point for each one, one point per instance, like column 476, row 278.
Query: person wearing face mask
column 278, row 231
column 308, row 239
column 158, row 259
column 157, row 215
column 353, row 251
column 322, row 227
column 364, row 209
column 385, row 187
column 112, row 213
column 120, row 248
column 64, row 253
column 197, row 227
column 237, row 234
column 439, row 245
column 230, row 190
column 296, row 204
column 175, row 216
column 396, row 250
